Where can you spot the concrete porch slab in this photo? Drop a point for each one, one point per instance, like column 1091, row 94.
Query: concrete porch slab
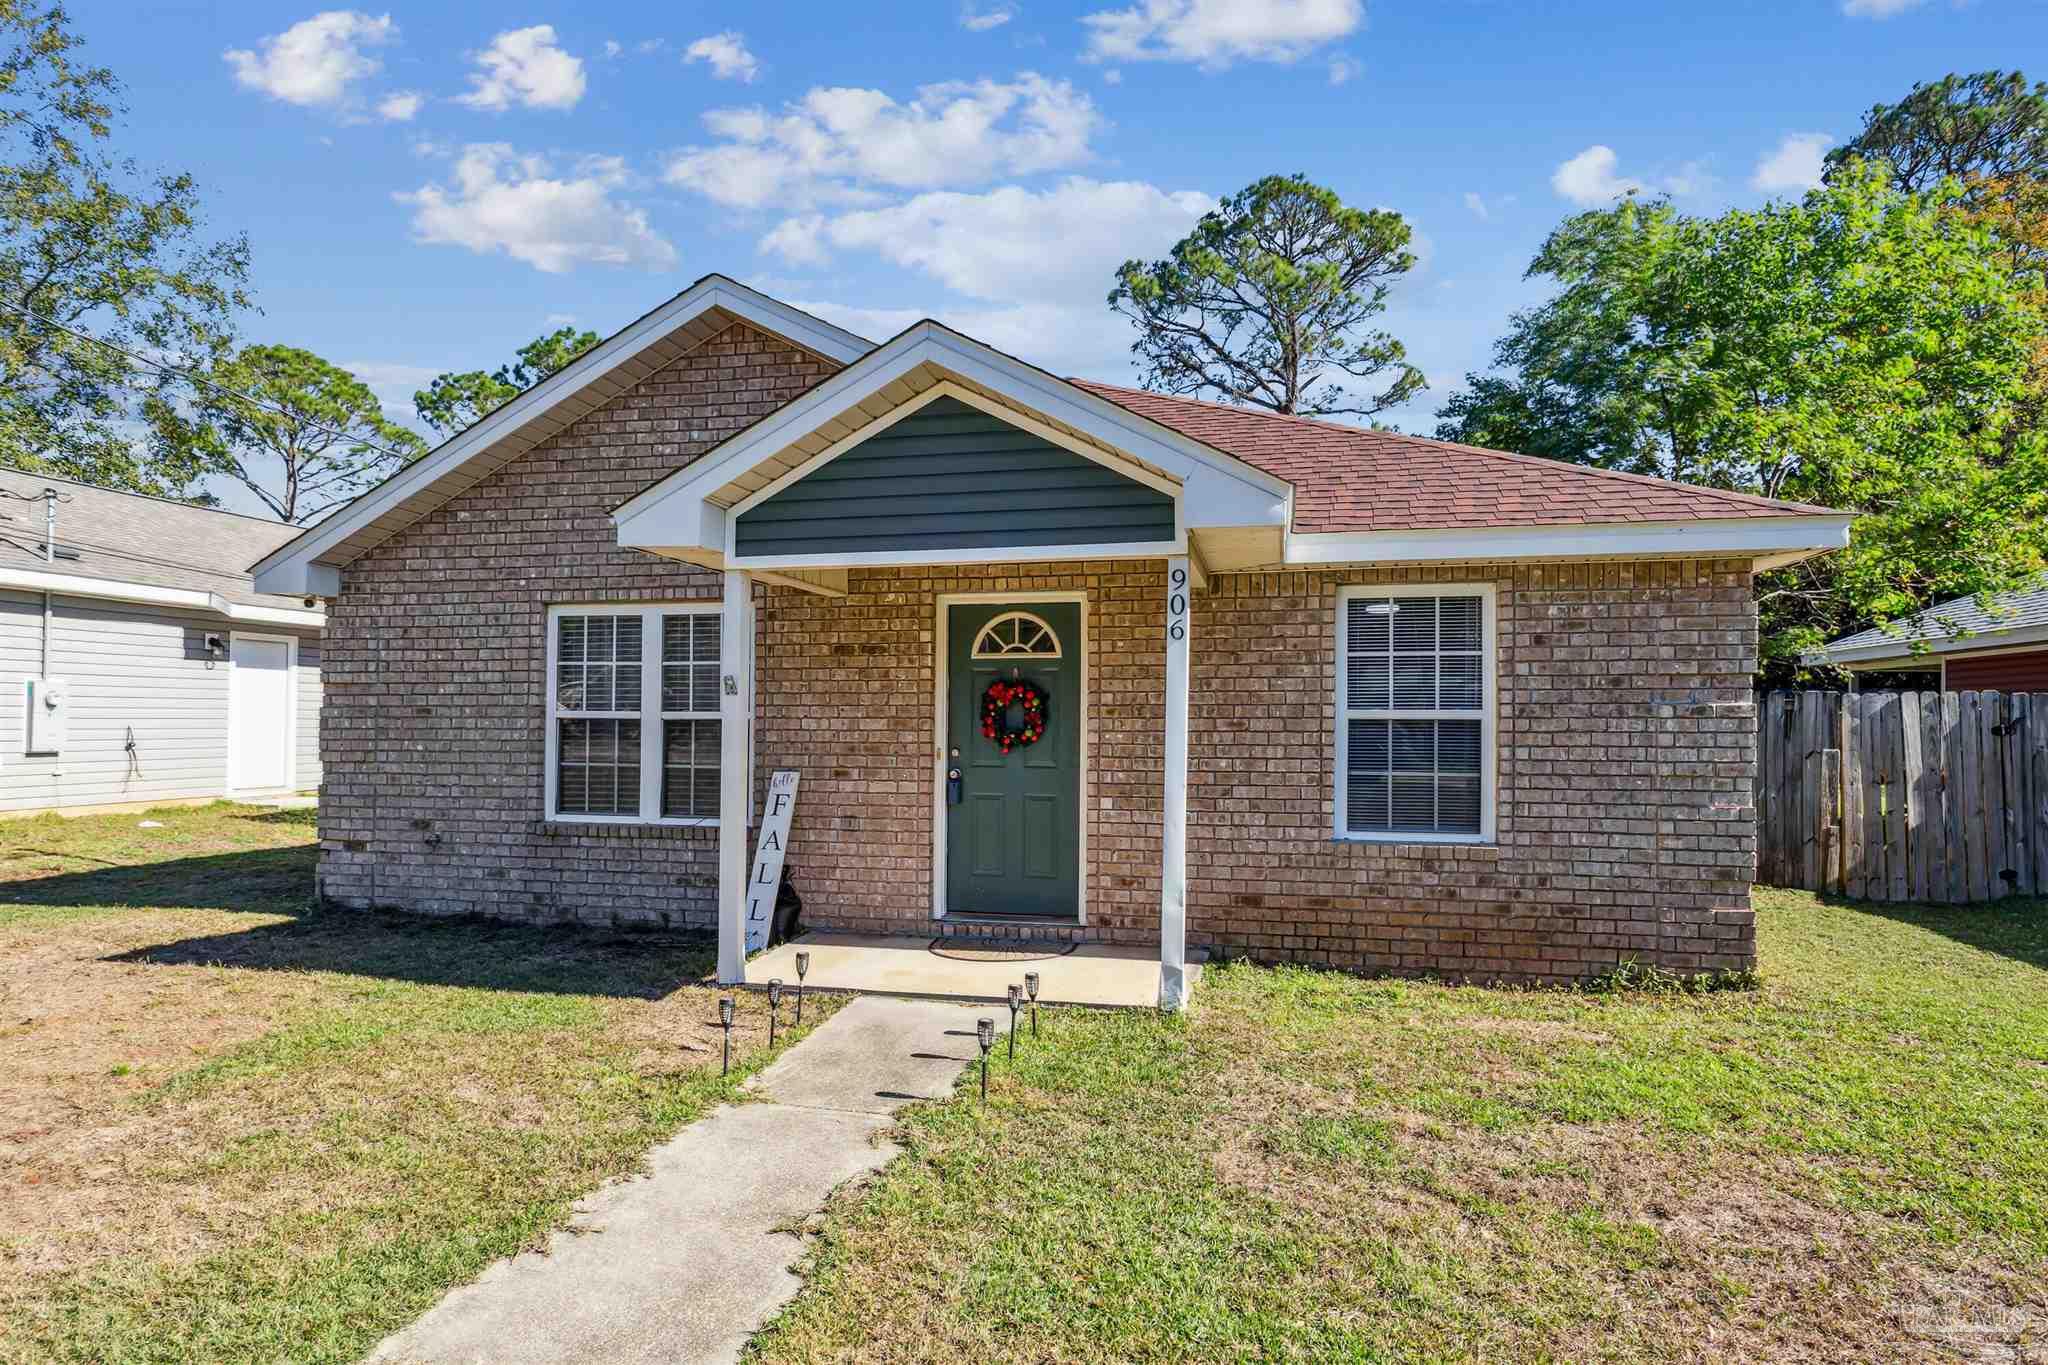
column 1099, row 974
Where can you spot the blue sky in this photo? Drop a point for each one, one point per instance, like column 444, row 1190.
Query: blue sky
column 428, row 186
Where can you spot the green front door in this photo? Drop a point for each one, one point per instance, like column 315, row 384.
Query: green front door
column 1013, row 821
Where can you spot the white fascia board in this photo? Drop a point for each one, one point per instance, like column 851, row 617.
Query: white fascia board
column 989, row 554
column 1219, row 490
column 151, row 594
column 1901, row 650
column 299, row 578
column 715, row 291
column 1726, row 536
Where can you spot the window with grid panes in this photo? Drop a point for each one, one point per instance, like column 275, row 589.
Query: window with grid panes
column 634, row 696
column 1416, row 740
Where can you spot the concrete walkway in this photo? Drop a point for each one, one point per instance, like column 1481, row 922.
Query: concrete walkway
column 686, row 1263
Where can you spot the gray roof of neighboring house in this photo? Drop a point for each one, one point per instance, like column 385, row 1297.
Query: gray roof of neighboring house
column 2023, row 610
column 131, row 538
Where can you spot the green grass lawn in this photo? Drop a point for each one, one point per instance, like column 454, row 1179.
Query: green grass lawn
column 1848, row 1162
column 233, row 1128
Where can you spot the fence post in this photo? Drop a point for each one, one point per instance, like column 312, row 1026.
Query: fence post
column 1830, row 821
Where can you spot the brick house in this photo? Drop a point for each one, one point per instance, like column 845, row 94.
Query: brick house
column 1272, row 686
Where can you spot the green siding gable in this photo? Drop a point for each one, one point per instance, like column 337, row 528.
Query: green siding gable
column 951, row 477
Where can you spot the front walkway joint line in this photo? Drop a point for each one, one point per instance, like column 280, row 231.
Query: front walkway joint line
column 688, row 1262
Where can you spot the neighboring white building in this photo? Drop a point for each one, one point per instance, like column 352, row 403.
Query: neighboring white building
column 138, row 666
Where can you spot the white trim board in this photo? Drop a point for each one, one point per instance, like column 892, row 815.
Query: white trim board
column 1736, row 536
column 151, row 594
column 291, row 568
column 941, row 684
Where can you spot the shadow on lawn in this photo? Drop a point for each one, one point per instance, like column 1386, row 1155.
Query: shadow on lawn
column 2015, row 927
column 272, row 880
column 565, row 960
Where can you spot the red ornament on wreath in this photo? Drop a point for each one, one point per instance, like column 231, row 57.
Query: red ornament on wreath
column 1013, row 714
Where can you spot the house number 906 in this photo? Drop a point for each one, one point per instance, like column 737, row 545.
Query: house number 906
column 1177, row 605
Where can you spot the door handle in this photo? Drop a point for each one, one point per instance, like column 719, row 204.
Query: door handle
column 953, row 780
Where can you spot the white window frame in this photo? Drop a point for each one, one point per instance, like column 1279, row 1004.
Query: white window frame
column 651, row 715
column 1489, row 692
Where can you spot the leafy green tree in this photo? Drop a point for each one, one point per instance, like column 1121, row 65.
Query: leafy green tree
column 1267, row 300
column 1866, row 349
column 91, row 246
column 1989, row 126
column 317, row 437
column 455, row 401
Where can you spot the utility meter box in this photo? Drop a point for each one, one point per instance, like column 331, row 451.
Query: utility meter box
column 48, row 715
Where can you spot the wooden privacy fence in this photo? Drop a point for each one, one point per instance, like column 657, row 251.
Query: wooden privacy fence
column 1904, row 796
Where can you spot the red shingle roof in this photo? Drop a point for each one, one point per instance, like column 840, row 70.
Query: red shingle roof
column 1351, row 479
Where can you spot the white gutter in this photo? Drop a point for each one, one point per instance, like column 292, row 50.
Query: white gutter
column 1780, row 538
column 150, row 594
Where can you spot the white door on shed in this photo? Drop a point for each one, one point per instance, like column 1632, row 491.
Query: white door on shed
column 259, row 714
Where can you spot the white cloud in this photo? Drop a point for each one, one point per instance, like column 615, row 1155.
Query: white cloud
column 837, row 144
column 1477, row 203
column 1795, row 165
column 728, row 55
column 500, row 200
column 1878, row 9
column 1215, row 33
column 1013, row 245
column 525, row 66
column 315, row 61
column 1693, row 178
column 1112, row 76
column 1589, row 178
column 400, row 105
column 613, row 48
column 982, row 20
column 1343, row 69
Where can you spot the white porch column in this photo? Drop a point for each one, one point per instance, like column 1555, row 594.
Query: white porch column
column 735, row 714
column 1173, row 860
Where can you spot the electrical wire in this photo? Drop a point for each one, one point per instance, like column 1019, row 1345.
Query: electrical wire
column 16, row 306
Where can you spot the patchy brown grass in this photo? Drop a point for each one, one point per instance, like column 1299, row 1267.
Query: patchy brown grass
column 239, row 1128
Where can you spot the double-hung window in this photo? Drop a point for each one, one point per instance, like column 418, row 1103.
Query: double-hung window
column 1415, row 723
column 633, row 719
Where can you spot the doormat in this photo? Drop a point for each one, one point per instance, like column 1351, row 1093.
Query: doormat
column 969, row 951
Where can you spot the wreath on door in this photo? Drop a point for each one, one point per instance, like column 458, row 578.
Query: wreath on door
column 1013, row 714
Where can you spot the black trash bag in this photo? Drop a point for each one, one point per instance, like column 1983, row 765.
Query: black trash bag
column 789, row 910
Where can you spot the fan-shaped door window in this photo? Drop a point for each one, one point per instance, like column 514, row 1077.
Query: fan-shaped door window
column 1017, row 635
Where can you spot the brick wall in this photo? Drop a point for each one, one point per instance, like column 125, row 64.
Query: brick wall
column 1626, row 734
column 845, row 695
column 436, row 658
column 1625, row 729
column 1626, row 747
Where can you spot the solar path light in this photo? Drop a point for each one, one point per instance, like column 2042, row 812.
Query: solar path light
column 985, row 1032
column 803, row 965
column 774, row 1009
column 725, row 1022
column 1031, row 989
column 1016, row 1003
